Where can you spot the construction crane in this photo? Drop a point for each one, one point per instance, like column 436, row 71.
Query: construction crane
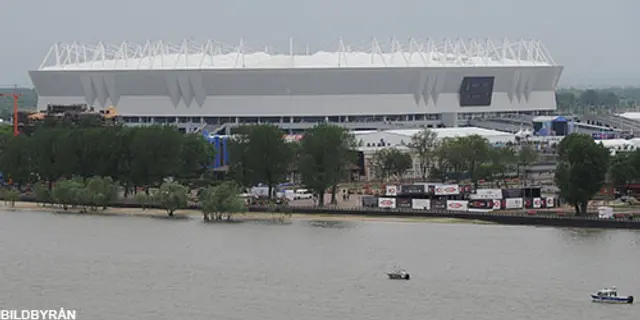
column 15, row 96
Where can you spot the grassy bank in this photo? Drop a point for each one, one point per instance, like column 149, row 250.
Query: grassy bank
column 244, row 217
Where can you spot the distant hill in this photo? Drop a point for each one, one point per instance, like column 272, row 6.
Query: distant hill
column 29, row 100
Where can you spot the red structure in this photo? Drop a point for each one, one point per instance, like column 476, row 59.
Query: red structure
column 15, row 97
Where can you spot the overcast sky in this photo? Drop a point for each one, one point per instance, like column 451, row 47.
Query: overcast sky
column 597, row 41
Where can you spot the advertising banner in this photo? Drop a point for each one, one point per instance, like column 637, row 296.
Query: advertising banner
column 490, row 194
column 497, row 204
column 404, row 203
column 412, row 189
column 438, row 204
column 387, row 203
column 537, row 203
column 421, row 204
column 447, row 190
column 550, row 203
column 480, row 204
column 391, row 191
column 457, row 205
column 514, row 203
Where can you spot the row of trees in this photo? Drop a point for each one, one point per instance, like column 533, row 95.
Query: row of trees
column 96, row 193
column 609, row 100
column 324, row 156
column 87, row 166
column 259, row 154
column 146, row 156
column 461, row 158
column 133, row 156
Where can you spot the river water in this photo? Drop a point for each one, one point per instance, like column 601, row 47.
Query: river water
column 143, row 268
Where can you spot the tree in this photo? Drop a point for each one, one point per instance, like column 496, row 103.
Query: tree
column 590, row 98
column 43, row 194
column 220, row 200
column 501, row 161
column 325, row 155
column 624, row 169
column 391, row 162
column 239, row 159
column 16, row 161
column 266, row 157
column 145, row 201
column 171, row 196
column 527, row 156
column 610, row 100
column 69, row 192
column 102, row 192
column 581, row 170
column 11, row 196
column 473, row 151
column 156, row 145
column 566, row 100
column 423, row 145
column 196, row 155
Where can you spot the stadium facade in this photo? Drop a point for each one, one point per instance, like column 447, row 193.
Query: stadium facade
column 434, row 83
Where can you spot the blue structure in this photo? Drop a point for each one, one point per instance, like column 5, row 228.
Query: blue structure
column 552, row 126
column 221, row 146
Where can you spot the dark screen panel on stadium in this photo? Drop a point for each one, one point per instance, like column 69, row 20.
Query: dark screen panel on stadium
column 476, row 91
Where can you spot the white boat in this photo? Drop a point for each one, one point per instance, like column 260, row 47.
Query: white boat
column 610, row 295
column 399, row 274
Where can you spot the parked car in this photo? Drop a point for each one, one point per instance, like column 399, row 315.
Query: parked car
column 303, row 194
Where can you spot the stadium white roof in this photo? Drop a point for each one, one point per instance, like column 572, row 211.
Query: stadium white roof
column 160, row 55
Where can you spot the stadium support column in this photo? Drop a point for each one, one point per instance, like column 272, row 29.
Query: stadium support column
column 450, row 119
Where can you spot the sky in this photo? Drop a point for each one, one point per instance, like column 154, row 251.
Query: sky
column 597, row 41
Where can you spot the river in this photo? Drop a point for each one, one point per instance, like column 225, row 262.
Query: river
column 144, row 268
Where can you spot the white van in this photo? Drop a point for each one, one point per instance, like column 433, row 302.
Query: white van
column 303, row 194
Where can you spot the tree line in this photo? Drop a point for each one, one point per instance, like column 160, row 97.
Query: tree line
column 469, row 158
column 322, row 158
column 94, row 194
column 133, row 156
column 82, row 166
column 68, row 155
column 597, row 100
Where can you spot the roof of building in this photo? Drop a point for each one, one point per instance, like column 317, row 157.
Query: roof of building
column 630, row 115
column 399, row 138
column 455, row 132
column 161, row 55
column 550, row 118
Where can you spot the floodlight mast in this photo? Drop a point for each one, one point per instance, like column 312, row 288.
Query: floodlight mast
column 15, row 96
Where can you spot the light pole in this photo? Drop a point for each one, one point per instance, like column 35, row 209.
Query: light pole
column 15, row 96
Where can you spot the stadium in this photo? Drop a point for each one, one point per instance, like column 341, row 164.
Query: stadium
column 366, row 86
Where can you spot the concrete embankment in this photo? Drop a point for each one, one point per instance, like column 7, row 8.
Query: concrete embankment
column 540, row 218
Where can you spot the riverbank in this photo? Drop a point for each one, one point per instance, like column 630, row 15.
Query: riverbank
column 128, row 207
column 241, row 217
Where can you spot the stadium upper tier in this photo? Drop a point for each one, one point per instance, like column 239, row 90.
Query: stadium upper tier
column 162, row 55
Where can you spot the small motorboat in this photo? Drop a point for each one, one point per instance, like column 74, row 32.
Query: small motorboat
column 399, row 274
column 610, row 295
